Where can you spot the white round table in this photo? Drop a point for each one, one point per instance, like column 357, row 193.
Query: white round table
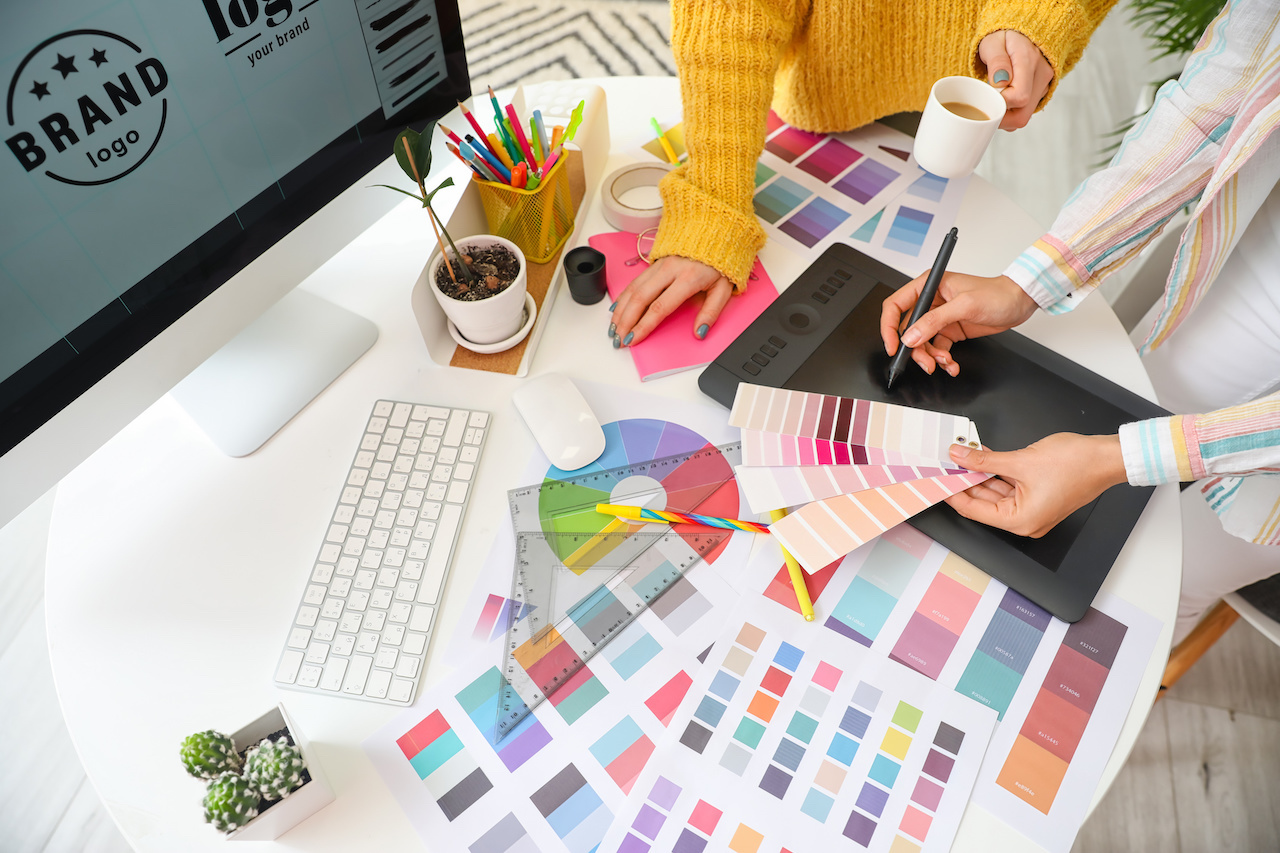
column 173, row 570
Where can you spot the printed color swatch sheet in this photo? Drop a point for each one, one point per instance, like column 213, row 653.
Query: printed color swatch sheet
column 796, row 738
column 556, row 781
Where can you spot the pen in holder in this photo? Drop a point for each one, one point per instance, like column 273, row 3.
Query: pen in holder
column 539, row 221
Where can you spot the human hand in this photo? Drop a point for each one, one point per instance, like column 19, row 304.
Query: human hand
column 1015, row 63
column 1039, row 486
column 966, row 306
column 663, row 288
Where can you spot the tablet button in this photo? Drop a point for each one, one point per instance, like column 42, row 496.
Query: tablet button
column 751, row 368
column 822, row 297
column 777, row 341
column 759, row 359
column 801, row 319
column 768, row 350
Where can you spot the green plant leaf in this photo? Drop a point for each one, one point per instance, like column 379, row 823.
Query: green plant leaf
column 413, row 196
column 423, row 151
column 447, row 182
column 403, row 157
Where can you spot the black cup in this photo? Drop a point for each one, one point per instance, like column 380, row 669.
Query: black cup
column 584, row 268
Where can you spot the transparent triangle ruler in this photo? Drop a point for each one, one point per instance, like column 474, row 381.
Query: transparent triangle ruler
column 575, row 605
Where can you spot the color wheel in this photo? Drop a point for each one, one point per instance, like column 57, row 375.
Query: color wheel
column 704, row 484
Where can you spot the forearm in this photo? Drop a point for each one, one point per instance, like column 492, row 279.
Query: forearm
column 727, row 55
column 1164, row 164
column 1238, row 440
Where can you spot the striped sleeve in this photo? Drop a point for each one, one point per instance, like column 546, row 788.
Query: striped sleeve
column 1229, row 442
column 1163, row 165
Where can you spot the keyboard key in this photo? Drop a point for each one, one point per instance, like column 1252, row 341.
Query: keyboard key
column 376, row 687
column 421, row 620
column 415, row 644
column 399, row 612
column 374, row 620
column 386, row 659
column 343, row 644
column 351, row 622
column 324, row 630
column 309, row 676
column 333, row 673
column 299, row 638
column 457, row 493
column 317, row 652
column 401, row 690
column 307, row 616
column 290, row 663
column 367, row 643
column 356, row 674
column 457, row 425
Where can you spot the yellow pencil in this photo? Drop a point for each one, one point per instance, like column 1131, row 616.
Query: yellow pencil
column 501, row 151
column 666, row 144
column 797, row 575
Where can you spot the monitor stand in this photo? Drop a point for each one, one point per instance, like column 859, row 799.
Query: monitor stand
column 245, row 392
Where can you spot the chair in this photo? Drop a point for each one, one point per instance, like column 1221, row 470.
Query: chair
column 1259, row 603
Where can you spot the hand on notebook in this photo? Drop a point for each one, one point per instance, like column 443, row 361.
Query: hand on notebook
column 967, row 306
column 1015, row 63
column 1038, row 486
column 663, row 288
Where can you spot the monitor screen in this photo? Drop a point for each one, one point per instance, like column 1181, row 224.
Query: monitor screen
column 154, row 149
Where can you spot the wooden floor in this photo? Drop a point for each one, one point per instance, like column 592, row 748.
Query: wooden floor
column 1205, row 775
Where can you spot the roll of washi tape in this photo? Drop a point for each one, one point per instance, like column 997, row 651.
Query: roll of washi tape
column 624, row 216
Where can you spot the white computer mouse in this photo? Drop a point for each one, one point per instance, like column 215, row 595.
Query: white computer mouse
column 561, row 421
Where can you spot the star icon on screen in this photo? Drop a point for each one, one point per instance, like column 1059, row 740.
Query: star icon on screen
column 66, row 65
column 39, row 89
column 98, row 57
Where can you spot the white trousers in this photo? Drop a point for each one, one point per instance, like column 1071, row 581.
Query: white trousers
column 1225, row 354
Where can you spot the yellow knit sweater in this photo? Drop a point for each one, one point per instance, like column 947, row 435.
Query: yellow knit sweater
column 825, row 66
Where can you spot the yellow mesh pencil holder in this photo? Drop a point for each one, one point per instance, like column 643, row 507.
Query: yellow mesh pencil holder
column 539, row 221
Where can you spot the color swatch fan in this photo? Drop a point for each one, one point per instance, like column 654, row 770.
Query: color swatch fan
column 855, row 468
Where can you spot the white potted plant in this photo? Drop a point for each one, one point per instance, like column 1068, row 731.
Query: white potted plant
column 262, row 780
column 480, row 281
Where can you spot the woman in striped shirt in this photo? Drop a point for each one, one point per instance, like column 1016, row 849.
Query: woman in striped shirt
column 1214, row 341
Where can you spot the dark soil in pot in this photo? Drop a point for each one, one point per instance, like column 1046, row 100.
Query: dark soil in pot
column 494, row 267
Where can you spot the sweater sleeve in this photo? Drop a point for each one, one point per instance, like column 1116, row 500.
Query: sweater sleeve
column 1163, row 165
column 1060, row 28
column 727, row 54
column 1234, row 441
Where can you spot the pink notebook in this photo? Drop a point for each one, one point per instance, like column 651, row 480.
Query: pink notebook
column 672, row 346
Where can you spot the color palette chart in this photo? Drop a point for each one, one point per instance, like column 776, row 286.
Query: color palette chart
column 1060, row 691
column 1062, row 724
column 793, row 737
column 557, row 780
column 906, row 234
column 813, row 189
column 884, row 443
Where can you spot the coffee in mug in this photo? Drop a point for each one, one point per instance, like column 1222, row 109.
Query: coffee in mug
column 964, row 110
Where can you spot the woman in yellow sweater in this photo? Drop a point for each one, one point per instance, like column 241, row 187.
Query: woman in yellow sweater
column 825, row 66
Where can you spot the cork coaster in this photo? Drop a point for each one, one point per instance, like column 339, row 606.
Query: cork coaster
column 539, row 276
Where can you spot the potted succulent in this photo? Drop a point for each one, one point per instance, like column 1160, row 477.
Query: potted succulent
column 261, row 781
column 481, row 280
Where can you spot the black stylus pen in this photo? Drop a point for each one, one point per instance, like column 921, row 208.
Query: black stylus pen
column 900, row 358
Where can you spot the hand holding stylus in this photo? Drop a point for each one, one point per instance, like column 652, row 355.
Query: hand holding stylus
column 965, row 306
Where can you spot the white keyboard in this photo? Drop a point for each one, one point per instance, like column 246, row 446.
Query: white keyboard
column 364, row 623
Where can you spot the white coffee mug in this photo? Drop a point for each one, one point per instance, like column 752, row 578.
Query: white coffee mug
column 959, row 121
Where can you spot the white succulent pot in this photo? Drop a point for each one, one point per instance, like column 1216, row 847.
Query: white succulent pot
column 484, row 321
column 301, row 803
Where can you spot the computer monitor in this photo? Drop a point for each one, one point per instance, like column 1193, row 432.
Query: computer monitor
column 170, row 171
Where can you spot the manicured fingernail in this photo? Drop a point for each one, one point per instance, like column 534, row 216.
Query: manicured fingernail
column 627, row 340
column 616, row 343
column 613, row 329
column 614, row 305
column 1000, row 76
column 911, row 338
column 702, row 331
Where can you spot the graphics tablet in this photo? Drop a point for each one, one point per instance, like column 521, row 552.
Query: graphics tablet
column 823, row 334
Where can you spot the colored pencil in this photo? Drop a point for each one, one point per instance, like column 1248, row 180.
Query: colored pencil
column 453, row 149
column 480, row 134
column 492, row 162
column 509, row 140
column 666, row 144
column 518, row 132
column 449, row 133
column 796, row 573
column 639, row 513
column 479, row 163
column 535, row 143
column 495, row 145
column 540, row 132
column 557, row 134
column 497, row 110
